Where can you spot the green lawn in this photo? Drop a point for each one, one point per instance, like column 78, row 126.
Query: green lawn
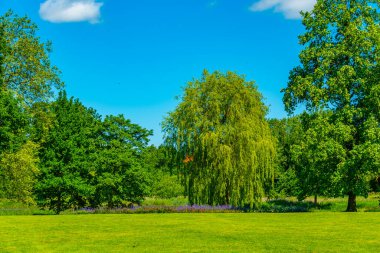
column 239, row 232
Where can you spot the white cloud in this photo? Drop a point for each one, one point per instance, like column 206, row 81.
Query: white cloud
column 290, row 8
column 59, row 11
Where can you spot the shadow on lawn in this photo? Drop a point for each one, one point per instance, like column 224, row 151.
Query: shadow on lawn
column 371, row 204
column 284, row 206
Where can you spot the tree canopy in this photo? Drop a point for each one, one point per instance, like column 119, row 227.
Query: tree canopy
column 222, row 141
column 27, row 69
column 66, row 156
column 339, row 71
column 224, row 151
column 120, row 175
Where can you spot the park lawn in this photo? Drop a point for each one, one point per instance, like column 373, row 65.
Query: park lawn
column 235, row 232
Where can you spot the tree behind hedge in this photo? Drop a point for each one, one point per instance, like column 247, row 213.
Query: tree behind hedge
column 222, row 142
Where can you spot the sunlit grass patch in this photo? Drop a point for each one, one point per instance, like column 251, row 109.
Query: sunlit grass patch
column 237, row 232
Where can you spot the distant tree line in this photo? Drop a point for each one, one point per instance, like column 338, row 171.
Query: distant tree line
column 219, row 146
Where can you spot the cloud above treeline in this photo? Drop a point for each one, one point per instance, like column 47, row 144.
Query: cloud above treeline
column 290, row 8
column 64, row 11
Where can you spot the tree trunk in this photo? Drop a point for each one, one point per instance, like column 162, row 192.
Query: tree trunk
column 351, row 207
column 315, row 200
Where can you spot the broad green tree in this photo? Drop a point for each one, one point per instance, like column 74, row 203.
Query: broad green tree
column 222, row 142
column 316, row 155
column 339, row 71
column 67, row 156
column 27, row 69
column 120, row 176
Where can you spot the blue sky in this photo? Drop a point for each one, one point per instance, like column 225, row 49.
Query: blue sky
column 133, row 57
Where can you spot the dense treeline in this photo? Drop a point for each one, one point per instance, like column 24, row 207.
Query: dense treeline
column 219, row 146
column 58, row 153
column 338, row 82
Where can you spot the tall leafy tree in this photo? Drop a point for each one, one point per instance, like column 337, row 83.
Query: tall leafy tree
column 316, row 155
column 27, row 73
column 17, row 156
column 120, row 175
column 222, row 141
column 27, row 69
column 67, row 155
column 339, row 71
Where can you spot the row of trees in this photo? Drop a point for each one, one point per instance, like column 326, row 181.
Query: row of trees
column 332, row 149
column 56, row 151
column 218, row 141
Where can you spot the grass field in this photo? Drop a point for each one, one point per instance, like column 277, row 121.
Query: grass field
column 238, row 232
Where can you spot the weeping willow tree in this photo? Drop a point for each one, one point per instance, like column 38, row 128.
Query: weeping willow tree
column 221, row 141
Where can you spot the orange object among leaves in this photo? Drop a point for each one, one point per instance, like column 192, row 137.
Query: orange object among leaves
column 188, row 159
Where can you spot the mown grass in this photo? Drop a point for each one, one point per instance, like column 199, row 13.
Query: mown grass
column 369, row 204
column 238, row 232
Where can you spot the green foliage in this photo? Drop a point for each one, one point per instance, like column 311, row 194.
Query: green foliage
column 17, row 158
column 3, row 51
column 317, row 155
column 26, row 65
column 375, row 184
column 287, row 132
column 66, row 156
column 83, row 160
column 166, row 186
column 159, row 160
column 339, row 72
column 18, row 172
column 41, row 121
column 119, row 173
column 160, row 166
column 13, row 122
column 222, row 143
